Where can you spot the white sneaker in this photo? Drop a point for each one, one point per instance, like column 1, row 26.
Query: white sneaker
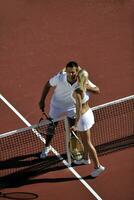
column 98, row 171
column 83, row 161
column 78, row 162
column 86, row 162
column 45, row 152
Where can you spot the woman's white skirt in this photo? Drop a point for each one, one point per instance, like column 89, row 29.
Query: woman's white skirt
column 86, row 121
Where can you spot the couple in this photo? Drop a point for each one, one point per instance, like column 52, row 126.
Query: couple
column 71, row 97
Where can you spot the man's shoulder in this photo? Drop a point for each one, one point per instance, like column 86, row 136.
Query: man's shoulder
column 62, row 76
column 62, row 73
column 57, row 79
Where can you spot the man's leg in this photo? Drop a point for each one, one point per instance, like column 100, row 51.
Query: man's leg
column 49, row 137
column 54, row 114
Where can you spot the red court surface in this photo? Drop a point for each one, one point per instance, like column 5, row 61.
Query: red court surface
column 37, row 39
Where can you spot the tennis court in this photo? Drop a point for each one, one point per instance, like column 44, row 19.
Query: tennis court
column 37, row 39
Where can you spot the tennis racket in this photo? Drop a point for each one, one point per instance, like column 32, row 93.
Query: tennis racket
column 18, row 195
column 44, row 114
column 46, row 129
column 76, row 147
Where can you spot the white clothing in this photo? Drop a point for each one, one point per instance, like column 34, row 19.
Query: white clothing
column 61, row 101
column 62, row 94
column 56, row 112
column 84, row 99
column 86, row 121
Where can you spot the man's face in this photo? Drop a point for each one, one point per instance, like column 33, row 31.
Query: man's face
column 71, row 73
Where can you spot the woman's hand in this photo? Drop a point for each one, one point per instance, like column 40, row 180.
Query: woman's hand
column 73, row 128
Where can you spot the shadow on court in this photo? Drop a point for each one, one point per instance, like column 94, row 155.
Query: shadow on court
column 23, row 170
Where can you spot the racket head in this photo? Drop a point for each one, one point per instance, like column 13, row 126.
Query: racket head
column 50, row 127
column 40, row 125
column 76, row 148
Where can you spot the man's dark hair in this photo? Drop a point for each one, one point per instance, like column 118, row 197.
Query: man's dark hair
column 72, row 64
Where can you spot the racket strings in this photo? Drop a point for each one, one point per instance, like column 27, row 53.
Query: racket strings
column 76, row 147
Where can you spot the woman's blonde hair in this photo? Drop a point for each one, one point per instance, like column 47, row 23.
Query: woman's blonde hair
column 83, row 76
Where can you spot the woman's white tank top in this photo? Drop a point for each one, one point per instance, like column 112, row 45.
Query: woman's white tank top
column 84, row 99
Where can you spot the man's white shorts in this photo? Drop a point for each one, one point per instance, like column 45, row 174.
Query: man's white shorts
column 56, row 112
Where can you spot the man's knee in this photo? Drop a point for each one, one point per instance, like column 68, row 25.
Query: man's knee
column 51, row 128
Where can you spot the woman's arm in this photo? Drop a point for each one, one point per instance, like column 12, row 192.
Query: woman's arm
column 77, row 97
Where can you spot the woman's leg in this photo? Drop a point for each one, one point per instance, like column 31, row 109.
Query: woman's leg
column 86, row 151
column 89, row 148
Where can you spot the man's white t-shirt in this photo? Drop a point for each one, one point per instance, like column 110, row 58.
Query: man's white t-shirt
column 63, row 91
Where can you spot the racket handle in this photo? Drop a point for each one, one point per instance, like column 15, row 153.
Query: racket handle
column 43, row 113
column 42, row 118
column 47, row 117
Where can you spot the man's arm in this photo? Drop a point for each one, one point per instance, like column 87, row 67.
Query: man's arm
column 92, row 88
column 45, row 91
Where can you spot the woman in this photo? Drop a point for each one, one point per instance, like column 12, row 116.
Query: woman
column 84, row 122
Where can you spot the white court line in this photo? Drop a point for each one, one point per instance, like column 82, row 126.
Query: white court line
column 55, row 152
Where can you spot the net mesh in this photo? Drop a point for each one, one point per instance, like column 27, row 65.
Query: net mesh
column 20, row 149
column 114, row 127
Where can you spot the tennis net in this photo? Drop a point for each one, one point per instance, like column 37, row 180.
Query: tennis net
column 114, row 128
column 20, row 149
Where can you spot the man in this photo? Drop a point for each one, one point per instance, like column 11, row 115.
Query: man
column 65, row 83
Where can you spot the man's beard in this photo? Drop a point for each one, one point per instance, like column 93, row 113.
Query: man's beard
column 72, row 78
